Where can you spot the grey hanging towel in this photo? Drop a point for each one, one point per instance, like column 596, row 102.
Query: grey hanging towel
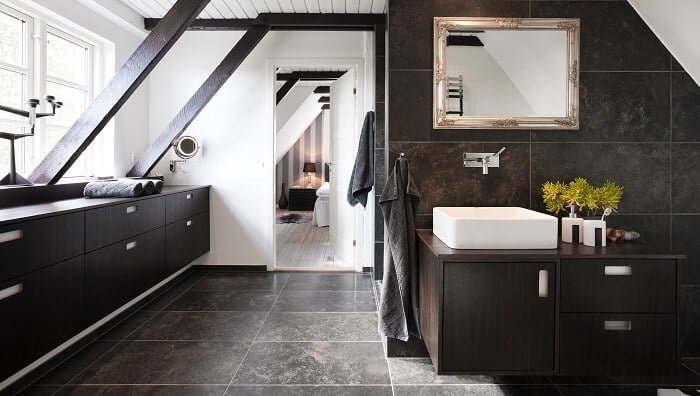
column 362, row 178
column 398, row 302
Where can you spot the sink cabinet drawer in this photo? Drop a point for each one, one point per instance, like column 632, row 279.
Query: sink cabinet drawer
column 185, row 241
column 105, row 226
column 622, row 285
column 30, row 245
column 186, row 204
column 617, row 345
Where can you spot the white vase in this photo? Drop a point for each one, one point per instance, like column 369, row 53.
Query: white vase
column 594, row 232
column 572, row 230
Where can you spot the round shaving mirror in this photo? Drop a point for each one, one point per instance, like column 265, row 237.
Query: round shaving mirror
column 186, row 147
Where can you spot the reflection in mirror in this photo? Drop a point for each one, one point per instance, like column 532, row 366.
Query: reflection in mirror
column 496, row 73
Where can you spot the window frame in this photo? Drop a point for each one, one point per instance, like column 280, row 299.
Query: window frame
column 35, row 71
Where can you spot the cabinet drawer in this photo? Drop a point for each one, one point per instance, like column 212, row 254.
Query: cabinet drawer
column 117, row 273
column 185, row 241
column 40, row 311
column 105, row 226
column 186, row 204
column 30, row 245
column 617, row 344
column 618, row 286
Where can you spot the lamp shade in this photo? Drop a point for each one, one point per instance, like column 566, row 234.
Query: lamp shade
column 309, row 167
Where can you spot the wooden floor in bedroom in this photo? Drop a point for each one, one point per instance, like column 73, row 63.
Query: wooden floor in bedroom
column 304, row 246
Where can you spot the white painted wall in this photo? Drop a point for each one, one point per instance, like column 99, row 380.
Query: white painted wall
column 675, row 23
column 118, row 42
column 236, row 130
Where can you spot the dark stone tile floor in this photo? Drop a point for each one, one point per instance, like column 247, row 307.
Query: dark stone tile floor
column 234, row 333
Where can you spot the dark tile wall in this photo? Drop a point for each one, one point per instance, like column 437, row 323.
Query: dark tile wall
column 640, row 127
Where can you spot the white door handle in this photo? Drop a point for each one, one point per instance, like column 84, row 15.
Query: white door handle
column 543, row 285
column 10, row 291
column 618, row 270
column 131, row 209
column 617, row 325
column 11, row 236
column 131, row 245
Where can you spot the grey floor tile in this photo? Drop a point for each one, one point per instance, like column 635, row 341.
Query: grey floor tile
column 137, row 390
column 363, row 282
column 127, row 326
column 303, row 390
column 241, row 281
column 324, row 301
column 206, row 326
column 199, row 300
column 315, row 281
column 39, row 390
column 165, row 298
column 166, row 362
column 77, row 363
column 348, row 363
column 624, row 390
column 419, row 371
column 319, row 326
column 476, row 390
column 190, row 279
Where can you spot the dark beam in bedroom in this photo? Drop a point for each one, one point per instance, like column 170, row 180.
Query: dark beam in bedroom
column 199, row 100
column 284, row 90
column 117, row 92
column 311, row 75
column 324, row 99
column 318, row 22
column 322, row 89
column 326, row 107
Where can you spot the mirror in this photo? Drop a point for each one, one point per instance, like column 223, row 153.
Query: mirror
column 186, row 147
column 495, row 73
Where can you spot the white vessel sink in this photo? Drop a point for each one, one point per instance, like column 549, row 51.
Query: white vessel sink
column 494, row 228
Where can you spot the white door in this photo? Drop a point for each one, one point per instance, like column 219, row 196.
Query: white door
column 343, row 125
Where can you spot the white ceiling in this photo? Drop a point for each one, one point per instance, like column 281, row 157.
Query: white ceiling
column 241, row 9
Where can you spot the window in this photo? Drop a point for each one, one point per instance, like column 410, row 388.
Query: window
column 37, row 59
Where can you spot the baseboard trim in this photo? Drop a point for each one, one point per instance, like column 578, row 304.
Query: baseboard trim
column 237, row 268
column 40, row 367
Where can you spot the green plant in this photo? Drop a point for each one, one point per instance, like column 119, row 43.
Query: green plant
column 580, row 194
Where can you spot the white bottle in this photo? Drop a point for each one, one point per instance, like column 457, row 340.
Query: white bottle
column 572, row 227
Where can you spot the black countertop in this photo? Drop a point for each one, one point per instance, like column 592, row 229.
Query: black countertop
column 29, row 212
column 627, row 250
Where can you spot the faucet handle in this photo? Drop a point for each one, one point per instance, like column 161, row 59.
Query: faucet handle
column 496, row 154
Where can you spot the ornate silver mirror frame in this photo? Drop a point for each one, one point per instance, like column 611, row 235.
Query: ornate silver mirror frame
column 443, row 120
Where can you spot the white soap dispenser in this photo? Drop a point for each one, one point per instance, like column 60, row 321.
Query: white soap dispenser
column 572, row 227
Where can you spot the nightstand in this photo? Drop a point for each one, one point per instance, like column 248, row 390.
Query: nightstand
column 302, row 198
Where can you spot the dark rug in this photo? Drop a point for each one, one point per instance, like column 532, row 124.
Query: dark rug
column 292, row 218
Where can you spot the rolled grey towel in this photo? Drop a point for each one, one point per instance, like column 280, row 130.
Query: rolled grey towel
column 148, row 187
column 113, row 189
column 158, row 186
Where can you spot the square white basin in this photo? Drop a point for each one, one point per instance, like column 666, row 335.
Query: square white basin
column 494, row 228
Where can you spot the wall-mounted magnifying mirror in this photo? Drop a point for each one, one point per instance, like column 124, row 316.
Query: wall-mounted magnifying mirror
column 495, row 73
column 186, row 147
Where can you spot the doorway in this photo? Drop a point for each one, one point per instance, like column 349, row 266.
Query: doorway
column 317, row 121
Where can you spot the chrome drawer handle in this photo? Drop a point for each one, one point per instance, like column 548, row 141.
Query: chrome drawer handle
column 131, row 245
column 618, row 270
column 189, row 223
column 543, row 286
column 617, row 325
column 11, row 236
column 188, row 196
column 10, row 291
column 131, row 209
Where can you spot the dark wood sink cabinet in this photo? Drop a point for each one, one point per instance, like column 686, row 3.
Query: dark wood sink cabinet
column 573, row 311
column 65, row 265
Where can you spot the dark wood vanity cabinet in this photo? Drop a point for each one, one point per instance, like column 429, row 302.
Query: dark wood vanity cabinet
column 62, row 272
column 501, row 305
column 574, row 311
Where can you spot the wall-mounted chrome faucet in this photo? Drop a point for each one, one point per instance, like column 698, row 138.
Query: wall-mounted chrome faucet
column 482, row 160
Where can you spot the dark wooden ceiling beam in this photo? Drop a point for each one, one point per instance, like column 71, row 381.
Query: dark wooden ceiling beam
column 311, row 75
column 320, row 22
column 322, row 89
column 324, row 99
column 326, row 107
column 199, row 100
column 117, row 91
column 284, row 90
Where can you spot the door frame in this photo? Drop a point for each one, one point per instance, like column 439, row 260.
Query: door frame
column 364, row 102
